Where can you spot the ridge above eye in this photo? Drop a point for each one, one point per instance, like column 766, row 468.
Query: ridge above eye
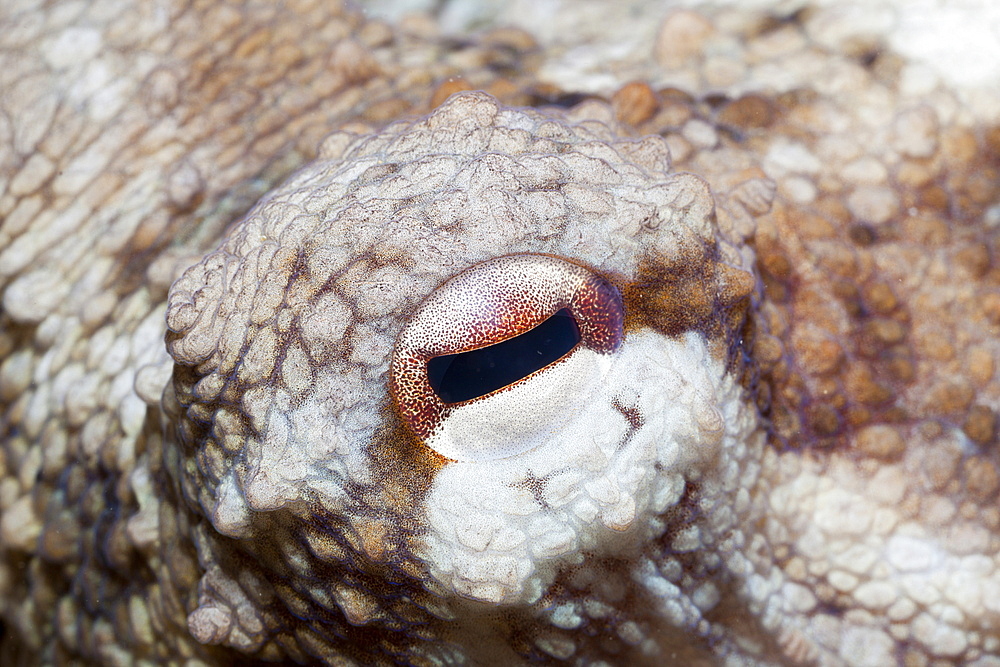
column 490, row 329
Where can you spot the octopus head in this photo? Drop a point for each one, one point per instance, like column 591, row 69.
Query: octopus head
column 462, row 355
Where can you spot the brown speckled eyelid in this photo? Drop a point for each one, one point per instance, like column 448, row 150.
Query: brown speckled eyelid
column 489, row 303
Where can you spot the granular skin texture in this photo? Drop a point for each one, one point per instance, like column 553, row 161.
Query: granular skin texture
column 216, row 219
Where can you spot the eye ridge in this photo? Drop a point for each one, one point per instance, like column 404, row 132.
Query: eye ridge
column 472, row 374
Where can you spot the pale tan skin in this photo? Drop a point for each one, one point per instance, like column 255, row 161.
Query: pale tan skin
column 131, row 139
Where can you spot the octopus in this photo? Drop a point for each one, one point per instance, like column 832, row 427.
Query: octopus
column 330, row 340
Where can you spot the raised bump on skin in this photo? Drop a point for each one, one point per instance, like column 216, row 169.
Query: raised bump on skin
column 487, row 304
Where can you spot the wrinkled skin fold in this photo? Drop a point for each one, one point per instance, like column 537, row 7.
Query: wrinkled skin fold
column 223, row 225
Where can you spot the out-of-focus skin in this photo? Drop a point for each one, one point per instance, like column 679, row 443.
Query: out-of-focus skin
column 784, row 451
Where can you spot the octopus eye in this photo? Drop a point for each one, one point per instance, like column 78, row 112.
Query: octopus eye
column 467, row 375
column 488, row 362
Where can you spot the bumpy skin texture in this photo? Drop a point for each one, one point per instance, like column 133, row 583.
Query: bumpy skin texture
column 821, row 492
column 281, row 341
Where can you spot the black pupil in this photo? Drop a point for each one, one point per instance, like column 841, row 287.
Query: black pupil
column 468, row 375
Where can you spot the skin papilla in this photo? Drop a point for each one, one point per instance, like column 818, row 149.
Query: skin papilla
column 231, row 235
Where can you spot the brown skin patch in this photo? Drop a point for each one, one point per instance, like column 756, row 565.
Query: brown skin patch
column 634, row 103
column 747, row 112
column 981, row 425
column 693, row 291
column 448, row 88
column 846, row 336
column 407, row 466
column 631, row 414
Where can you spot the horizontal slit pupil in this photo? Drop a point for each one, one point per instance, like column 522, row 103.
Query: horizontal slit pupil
column 468, row 375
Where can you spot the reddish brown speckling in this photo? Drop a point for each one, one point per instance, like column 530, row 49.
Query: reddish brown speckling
column 488, row 304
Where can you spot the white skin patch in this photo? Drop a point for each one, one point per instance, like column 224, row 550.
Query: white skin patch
column 497, row 528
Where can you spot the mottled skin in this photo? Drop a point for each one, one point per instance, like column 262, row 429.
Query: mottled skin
column 864, row 532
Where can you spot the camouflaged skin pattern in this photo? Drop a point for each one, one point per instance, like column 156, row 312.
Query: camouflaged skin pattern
column 247, row 491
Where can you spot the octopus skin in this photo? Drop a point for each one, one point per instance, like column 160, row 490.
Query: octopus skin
column 234, row 238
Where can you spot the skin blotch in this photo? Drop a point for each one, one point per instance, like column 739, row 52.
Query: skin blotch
column 218, row 219
column 856, row 339
column 686, row 292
